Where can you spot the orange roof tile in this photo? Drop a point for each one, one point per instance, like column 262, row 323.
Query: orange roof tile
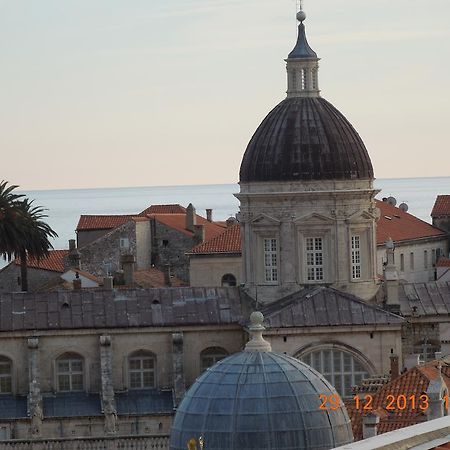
column 178, row 222
column 441, row 206
column 101, row 222
column 54, row 261
column 229, row 241
column 164, row 209
column 414, row 382
column 401, row 226
column 443, row 262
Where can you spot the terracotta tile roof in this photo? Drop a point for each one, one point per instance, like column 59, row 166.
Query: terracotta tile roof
column 163, row 209
column 229, row 241
column 443, row 262
column 441, row 206
column 53, row 262
column 85, row 274
column 101, row 222
column 178, row 222
column 401, row 226
column 414, row 382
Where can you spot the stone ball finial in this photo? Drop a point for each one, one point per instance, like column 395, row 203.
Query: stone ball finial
column 301, row 16
column 256, row 319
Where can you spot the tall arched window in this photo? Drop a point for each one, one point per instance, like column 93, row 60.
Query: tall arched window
column 228, row 280
column 142, row 370
column 340, row 367
column 210, row 356
column 70, row 373
column 5, row 375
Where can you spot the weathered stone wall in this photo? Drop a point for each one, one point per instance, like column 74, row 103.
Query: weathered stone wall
column 415, row 332
column 10, row 275
column 169, row 247
column 85, row 237
column 207, row 270
column 106, row 251
column 442, row 222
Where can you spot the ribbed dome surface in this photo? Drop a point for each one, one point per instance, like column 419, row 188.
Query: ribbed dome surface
column 305, row 139
column 260, row 400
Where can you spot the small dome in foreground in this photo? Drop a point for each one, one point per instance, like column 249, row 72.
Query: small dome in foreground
column 260, row 400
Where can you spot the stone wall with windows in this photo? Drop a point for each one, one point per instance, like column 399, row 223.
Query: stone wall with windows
column 212, row 270
column 415, row 260
column 313, row 225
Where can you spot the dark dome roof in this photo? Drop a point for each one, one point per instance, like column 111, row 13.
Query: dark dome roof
column 305, row 139
column 260, row 400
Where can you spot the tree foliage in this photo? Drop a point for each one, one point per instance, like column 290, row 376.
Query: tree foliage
column 23, row 232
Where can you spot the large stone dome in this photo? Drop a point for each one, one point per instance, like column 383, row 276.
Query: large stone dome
column 302, row 139
column 260, row 400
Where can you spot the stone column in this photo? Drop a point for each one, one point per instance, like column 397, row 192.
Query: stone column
column 107, row 392
column 34, row 393
column 179, row 385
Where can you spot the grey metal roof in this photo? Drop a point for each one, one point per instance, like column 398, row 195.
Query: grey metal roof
column 71, row 404
column 305, row 139
column 260, row 400
column 323, row 306
column 302, row 49
column 425, row 299
column 119, row 308
column 148, row 401
column 13, row 406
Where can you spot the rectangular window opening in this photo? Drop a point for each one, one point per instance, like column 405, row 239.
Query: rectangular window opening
column 356, row 257
column 270, row 260
column 314, row 259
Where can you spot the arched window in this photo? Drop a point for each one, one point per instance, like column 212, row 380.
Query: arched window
column 5, row 375
column 70, row 373
column 210, row 356
column 142, row 370
column 228, row 280
column 340, row 367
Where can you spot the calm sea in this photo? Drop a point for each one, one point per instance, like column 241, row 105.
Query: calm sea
column 65, row 206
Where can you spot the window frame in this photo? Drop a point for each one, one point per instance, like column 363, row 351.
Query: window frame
column 355, row 256
column 71, row 358
column 273, row 268
column 216, row 353
column 4, row 360
column 141, row 356
column 314, row 253
column 229, row 283
column 332, row 374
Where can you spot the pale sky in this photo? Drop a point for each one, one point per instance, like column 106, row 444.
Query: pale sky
column 104, row 93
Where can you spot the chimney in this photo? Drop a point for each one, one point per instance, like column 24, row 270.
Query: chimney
column 209, row 214
column 74, row 256
column 127, row 262
column 395, row 369
column 437, row 355
column 391, row 279
column 199, row 234
column 108, row 283
column 370, row 424
column 191, row 218
column 167, row 275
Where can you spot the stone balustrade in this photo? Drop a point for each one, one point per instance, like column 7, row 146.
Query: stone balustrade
column 90, row 443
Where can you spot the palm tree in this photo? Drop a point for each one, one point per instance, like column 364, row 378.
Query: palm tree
column 35, row 236
column 9, row 234
column 23, row 233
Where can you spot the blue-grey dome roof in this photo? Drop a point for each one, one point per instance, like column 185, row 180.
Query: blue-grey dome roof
column 260, row 400
column 302, row 50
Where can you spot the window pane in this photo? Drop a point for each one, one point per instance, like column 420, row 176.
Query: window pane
column 63, row 366
column 5, row 385
column 148, row 363
column 148, row 379
column 77, row 366
column 77, row 382
column 135, row 380
column 5, row 368
column 64, row 382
